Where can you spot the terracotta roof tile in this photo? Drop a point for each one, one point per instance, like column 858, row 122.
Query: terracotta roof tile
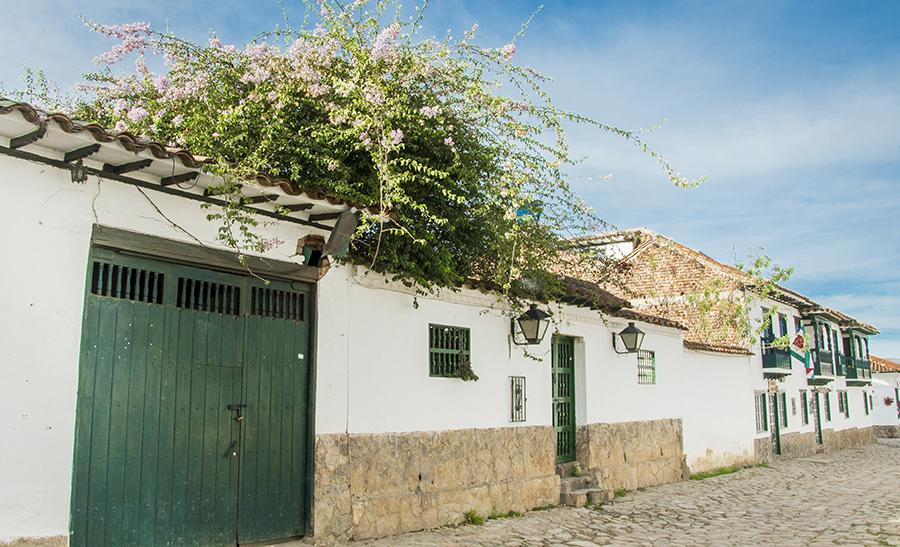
column 659, row 273
column 139, row 143
column 880, row 364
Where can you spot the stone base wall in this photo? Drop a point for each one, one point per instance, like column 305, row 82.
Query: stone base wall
column 377, row 485
column 848, row 438
column 798, row 445
column 632, row 455
column 887, row 431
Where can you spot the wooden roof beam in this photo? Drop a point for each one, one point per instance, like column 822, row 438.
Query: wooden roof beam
column 28, row 138
column 81, row 153
column 315, row 217
column 127, row 167
column 179, row 178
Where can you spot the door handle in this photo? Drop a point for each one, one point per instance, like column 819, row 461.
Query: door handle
column 238, row 409
column 231, row 451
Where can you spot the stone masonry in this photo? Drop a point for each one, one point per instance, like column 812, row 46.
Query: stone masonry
column 632, row 455
column 849, row 497
column 376, row 485
column 798, row 445
column 887, row 431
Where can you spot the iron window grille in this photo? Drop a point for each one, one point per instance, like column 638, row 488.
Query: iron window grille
column 827, row 397
column 646, row 367
column 448, row 348
column 517, row 398
column 866, row 403
column 762, row 424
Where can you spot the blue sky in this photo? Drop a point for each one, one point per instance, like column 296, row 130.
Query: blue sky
column 791, row 108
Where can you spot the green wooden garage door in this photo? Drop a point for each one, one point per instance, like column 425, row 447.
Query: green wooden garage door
column 191, row 425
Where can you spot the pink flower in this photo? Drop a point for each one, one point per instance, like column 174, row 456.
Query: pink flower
column 137, row 114
column 177, row 120
column 317, row 90
column 161, row 83
column 120, row 126
column 385, row 48
column 430, row 111
column 397, row 136
column 508, row 51
column 373, row 95
column 449, row 141
column 120, row 106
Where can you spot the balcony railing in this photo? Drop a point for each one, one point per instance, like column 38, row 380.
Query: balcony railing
column 858, row 369
column 823, row 365
column 776, row 358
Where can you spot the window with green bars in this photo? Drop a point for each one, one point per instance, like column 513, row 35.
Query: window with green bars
column 448, row 349
column 827, row 398
column 761, row 420
column 783, row 409
column 646, row 367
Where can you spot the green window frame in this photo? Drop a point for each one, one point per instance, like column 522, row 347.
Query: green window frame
column 866, row 402
column 448, row 347
column 804, row 407
column 646, row 367
column 827, row 397
column 762, row 422
column 784, row 413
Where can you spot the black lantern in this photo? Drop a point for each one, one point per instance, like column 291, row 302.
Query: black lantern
column 533, row 325
column 79, row 172
column 632, row 338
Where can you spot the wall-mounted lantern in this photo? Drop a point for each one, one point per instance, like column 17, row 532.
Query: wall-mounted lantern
column 533, row 326
column 632, row 338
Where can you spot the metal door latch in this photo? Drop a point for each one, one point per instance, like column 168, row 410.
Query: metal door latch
column 231, row 451
column 238, row 409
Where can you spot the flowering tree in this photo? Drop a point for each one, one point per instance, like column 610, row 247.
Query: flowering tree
column 459, row 146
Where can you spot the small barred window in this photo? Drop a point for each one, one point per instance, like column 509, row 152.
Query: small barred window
column 646, row 367
column 448, row 349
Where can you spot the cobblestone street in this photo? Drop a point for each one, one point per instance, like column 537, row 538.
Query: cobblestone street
column 850, row 498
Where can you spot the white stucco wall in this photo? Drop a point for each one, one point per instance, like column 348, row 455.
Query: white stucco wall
column 47, row 228
column 717, row 404
column 371, row 333
column 885, row 384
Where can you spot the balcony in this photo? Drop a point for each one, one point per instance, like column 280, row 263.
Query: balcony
column 777, row 361
column 823, row 364
column 840, row 366
column 859, row 371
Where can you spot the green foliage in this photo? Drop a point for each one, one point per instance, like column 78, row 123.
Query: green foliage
column 723, row 306
column 715, row 473
column 496, row 514
column 465, row 372
column 472, row 517
column 460, row 148
column 619, row 492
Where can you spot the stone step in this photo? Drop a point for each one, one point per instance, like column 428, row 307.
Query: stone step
column 568, row 484
column 580, row 498
column 567, row 469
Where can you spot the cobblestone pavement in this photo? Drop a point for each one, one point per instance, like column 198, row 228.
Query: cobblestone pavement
column 851, row 497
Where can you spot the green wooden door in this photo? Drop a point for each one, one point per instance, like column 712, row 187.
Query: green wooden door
column 818, row 422
column 273, row 491
column 159, row 455
column 563, row 371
